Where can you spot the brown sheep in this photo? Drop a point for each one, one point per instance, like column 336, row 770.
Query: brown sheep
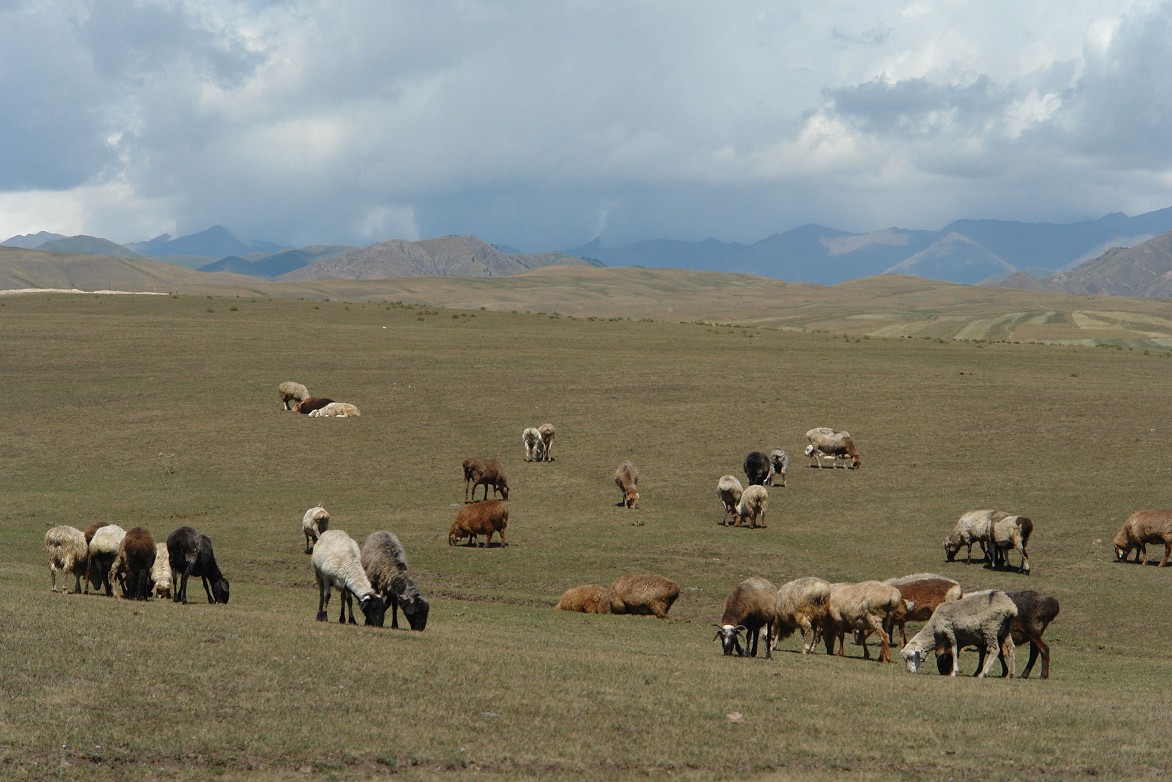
column 309, row 404
column 920, row 594
column 750, row 606
column 485, row 472
column 865, row 606
column 1141, row 528
column 588, row 599
column 480, row 518
column 643, row 594
column 1035, row 611
column 626, row 477
column 132, row 566
column 291, row 394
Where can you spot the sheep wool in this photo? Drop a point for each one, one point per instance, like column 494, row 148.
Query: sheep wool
column 337, row 563
column 385, row 563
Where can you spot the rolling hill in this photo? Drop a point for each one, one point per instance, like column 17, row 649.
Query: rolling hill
column 1143, row 271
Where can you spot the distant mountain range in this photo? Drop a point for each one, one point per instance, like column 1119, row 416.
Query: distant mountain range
column 1141, row 272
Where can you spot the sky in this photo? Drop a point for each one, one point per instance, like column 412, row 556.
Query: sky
column 543, row 125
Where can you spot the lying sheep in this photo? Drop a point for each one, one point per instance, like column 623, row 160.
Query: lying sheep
column 190, row 554
column 626, row 477
column 103, row 551
column 867, row 606
column 67, row 549
column 338, row 563
column 480, row 518
column 729, row 490
column 1009, row 532
column 315, row 521
column 754, row 501
column 921, row 593
column 335, row 410
column 758, row 469
column 132, row 567
column 547, row 432
column 309, row 404
column 531, row 439
column 972, row 527
column 161, row 572
column 750, row 606
column 291, row 392
column 587, row 599
column 779, row 461
column 643, row 594
column 980, row 619
column 1141, row 528
column 802, row 605
column 485, row 472
column 385, row 563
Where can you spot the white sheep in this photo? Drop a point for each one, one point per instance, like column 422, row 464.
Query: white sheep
column 315, row 521
column 161, row 571
column 1010, row 532
column 802, row 605
column 754, row 501
column 335, row 410
column 103, row 551
column 291, row 392
column 779, row 461
column 837, row 446
column 531, row 439
column 867, row 606
column 544, row 453
column 729, row 490
column 972, row 527
column 626, row 477
column 337, row 562
column 981, row 619
column 750, row 606
column 67, row 550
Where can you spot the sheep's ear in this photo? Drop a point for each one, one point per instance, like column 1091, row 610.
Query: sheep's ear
column 740, row 629
column 909, row 604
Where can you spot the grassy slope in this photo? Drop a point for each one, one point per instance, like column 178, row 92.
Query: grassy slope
column 160, row 411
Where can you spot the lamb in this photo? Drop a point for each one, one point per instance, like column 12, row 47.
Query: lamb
column 67, row 550
column 779, row 461
column 729, row 490
column 292, row 392
column 752, row 506
column 480, row 518
column 1010, row 532
column 132, row 567
column 981, row 619
column 802, row 605
column 531, row 439
column 315, row 521
column 750, row 606
column 335, row 410
column 626, row 477
column 309, row 404
column 546, row 431
column 190, row 554
column 972, row 527
column 161, row 572
column 385, row 563
column 485, row 472
column 1035, row 611
column 921, row 594
column 1141, row 528
column 643, row 594
column 587, row 599
column 757, row 468
column 103, row 551
column 338, row 563
column 865, row 606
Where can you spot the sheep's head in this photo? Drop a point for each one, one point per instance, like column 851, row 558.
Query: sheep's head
column 912, row 658
column 504, row 489
column 374, row 609
column 220, row 591
column 809, row 450
column 1123, row 546
column 416, row 612
column 856, row 462
column 950, row 549
column 730, row 638
column 631, row 500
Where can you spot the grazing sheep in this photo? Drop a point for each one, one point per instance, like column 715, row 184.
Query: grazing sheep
column 292, row 392
column 779, row 461
column 546, row 431
column 729, row 490
column 480, row 518
column 1035, row 611
column 920, row 594
column 757, row 468
column 338, row 563
column 190, row 554
column 1010, row 532
column 626, row 477
column 865, row 606
column 485, row 472
column 92, row 529
column 385, row 563
column 980, row 619
column 1141, row 528
column 754, row 501
column 103, row 551
column 161, row 572
column 68, row 550
column 531, row 439
column 837, row 447
column 802, row 605
column 587, row 599
column 315, row 521
column 751, row 605
column 309, row 404
column 132, row 567
column 335, row 410
column 643, row 594
column 972, row 527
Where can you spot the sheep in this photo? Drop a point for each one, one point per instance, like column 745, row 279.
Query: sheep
column 643, row 594
column 1141, row 528
column 972, row 527
column 920, row 594
column 837, row 447
column 752, row 506
column 68, row 550
column 587, row 599
column 750, row 606
column 546, row 431
column 801, row 605
column 1035, row 611
column 779, row 461
column 480, row 518
column 292, row 392
column 190, row 554
column 385, row 563
column 531, row 439
column 337, row 562
column 981, row 619
column 485, row 472
column 132, row 567
column 820, row 439
column 103, row 551
column 335, row 410
column 309, row 404
column 315, row 521
column 161, row 572
column 757, row 468
column 865, row 606
column 626, row 477
column 1010, row 532
column 729, row 490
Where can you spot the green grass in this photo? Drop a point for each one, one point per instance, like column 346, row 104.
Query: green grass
column 155, row 411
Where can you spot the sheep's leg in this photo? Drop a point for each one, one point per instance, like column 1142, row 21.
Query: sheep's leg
column 395, row 612
column 751, row 641
column 763, row 519
column 955, row 647
column 769, row 641
column 827, row 638
column 347, row 600
column 207, row 590
column 1025, row 560
column 990, row 643
column 1167, row 553
column 323, row 599
column 488, row 541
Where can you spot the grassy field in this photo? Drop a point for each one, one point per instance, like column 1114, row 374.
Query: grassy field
column 162, row 411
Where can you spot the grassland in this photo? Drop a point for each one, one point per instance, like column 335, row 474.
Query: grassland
column 162, row 411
